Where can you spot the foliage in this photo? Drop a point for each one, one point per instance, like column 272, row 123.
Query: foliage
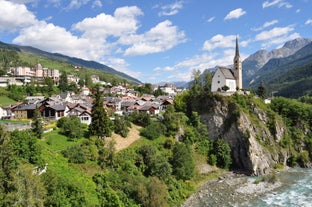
column 222, row 151
column 71, row 127
column 8, row 167
column 121, row 126
column 63, row 83
column 61, row 192
column 141, row 119
column 36, row 124
column 173, row 120
column 204, row 147
column 153, row 131
column 30, row 189
column 101, row 125
column 182, row 162
column 75, row 154
column 26, row 147
column 261, row 91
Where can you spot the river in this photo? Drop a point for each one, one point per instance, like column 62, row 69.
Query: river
column 296, row 191
column 293, row 189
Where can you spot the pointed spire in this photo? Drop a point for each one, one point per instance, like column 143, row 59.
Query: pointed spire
column 236, row 49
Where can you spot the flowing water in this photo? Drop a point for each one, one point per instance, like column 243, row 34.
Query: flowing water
column 293, row 189
column 295, row 192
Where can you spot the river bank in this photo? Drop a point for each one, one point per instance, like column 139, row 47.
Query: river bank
column 230, row 190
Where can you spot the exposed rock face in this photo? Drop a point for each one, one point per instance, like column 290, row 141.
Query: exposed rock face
column 255, row 149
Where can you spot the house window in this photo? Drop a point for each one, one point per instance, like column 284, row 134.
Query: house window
column 218, row 82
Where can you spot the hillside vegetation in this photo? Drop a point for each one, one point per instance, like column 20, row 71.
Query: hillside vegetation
column 29, row 56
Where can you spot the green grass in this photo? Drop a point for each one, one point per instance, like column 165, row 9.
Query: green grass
column 6, row 101
column 52, row 145
column 58, row 142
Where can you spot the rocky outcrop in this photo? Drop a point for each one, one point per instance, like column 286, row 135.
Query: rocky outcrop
column 253, row 135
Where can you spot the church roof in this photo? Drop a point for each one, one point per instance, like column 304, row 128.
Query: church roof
column 228, row 74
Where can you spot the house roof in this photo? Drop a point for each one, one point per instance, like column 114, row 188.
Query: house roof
column 228, row 74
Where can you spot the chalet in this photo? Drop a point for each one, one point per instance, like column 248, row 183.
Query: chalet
column 52, row 109
column 150, row 108
column 83, row 112
column 24, row 111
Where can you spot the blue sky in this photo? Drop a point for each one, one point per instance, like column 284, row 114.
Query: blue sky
column 154, row 41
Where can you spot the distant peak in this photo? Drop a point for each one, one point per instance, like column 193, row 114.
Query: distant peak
column 297, row 43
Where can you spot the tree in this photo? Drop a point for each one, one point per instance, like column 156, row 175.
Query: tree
column 26, row 147
column 182, row 162
column 8, row 168
column 153, row 131
column 207, row 80
column 196, row 83
column 36, row 124
column 141, row 119
column 71, row 127
column 121, row 126
column 101, row 125
column 222, row 151
column 261, row 91
column 63, row 84
column 225, row 88
column 30, row 188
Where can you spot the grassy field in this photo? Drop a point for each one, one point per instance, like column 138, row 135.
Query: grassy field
column 53, row 143
column 6, row 101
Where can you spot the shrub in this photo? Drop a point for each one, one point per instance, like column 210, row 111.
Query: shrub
column 153, row 131
column 222, row 151
column 75, row 154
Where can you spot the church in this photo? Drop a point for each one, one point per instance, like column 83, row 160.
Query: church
column 232, row 78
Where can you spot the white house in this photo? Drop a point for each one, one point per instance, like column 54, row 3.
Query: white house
column 232, row 78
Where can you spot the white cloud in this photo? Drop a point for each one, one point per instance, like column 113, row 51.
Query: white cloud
column 308, row 22
column 121, row 65
column 219, row 41
column 162, row 37
column 97, row 3
column 235, row 14
column 278, row 3
column 211, row 19
column 123, row 22
column 265, row 25
column 76, row 4
column 171, row 9
column 11, row 20
column 56, row 39
column 275, row 32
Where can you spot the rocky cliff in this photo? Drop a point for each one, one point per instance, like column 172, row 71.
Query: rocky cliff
column 253, row 132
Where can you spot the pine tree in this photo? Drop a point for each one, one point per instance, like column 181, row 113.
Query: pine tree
column 101, row 125
column 36, row 125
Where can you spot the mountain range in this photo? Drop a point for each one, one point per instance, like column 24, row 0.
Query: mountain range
column 69, row 60
column 287, row 71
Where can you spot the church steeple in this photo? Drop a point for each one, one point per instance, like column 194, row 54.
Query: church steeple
column 238, row 67
column 236, row 49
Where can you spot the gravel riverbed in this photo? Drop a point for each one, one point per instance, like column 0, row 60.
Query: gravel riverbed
column 231, row 190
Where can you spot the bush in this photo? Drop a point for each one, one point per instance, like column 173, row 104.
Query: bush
column 141, row 119
column 222, row 151
column 121, row 126
column 182, row 162
column 75, row 154
column 153, row 131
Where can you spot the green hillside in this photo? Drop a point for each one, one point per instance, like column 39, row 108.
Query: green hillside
column 31, row 56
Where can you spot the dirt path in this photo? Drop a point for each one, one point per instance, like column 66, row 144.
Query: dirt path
column 121, row 142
